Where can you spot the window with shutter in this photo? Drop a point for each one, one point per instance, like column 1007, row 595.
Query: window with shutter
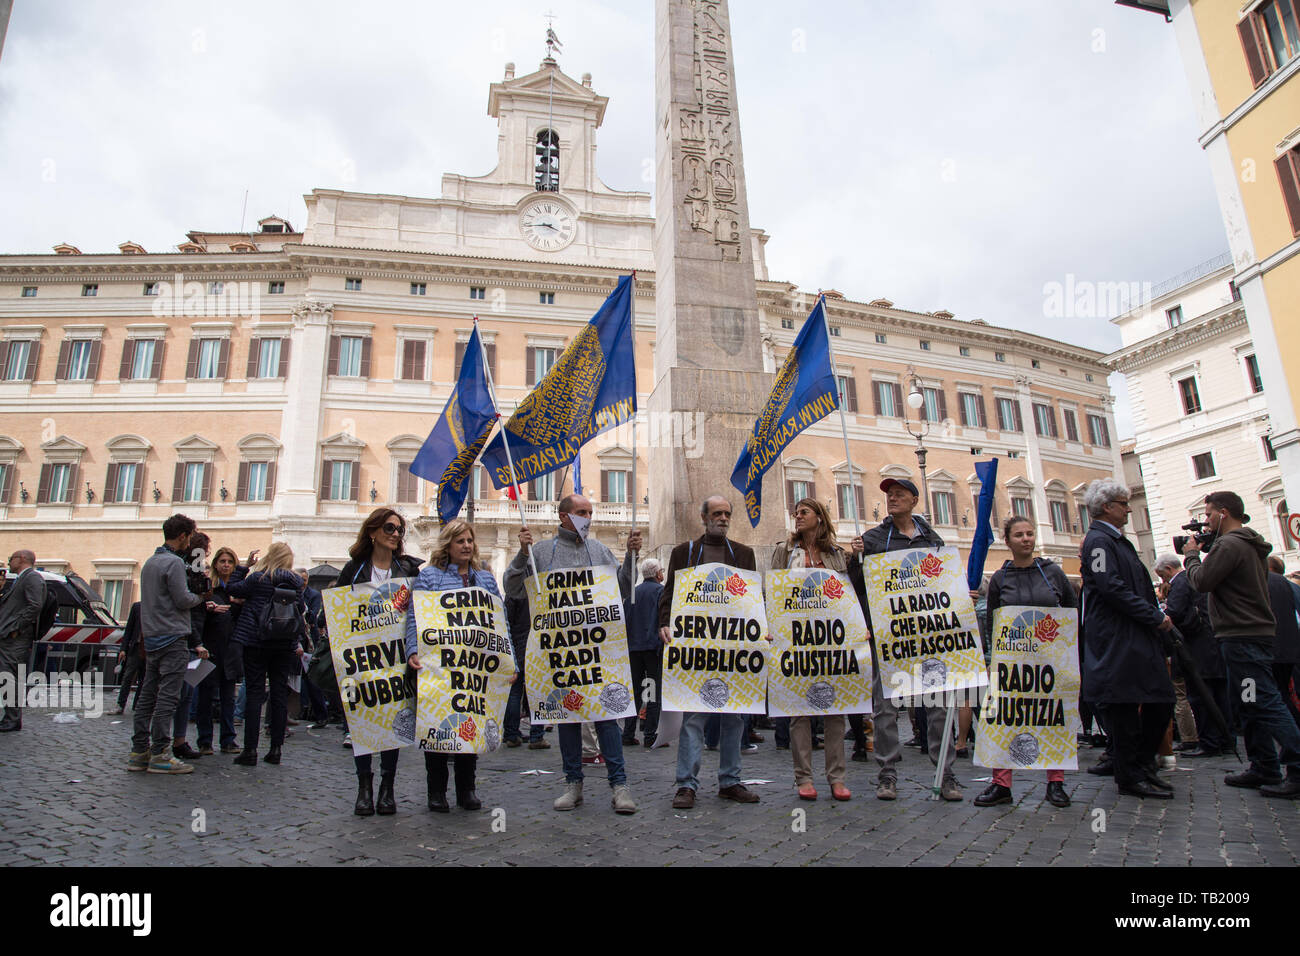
column 413, row 352
column 332, row 363
column 6, row 483
column 1071, row 425
column 110, row 483
column 155, row 368
column 1256, row 58
column 1288, row 175
column 61, row 366
column 365, row 358
column 241, row 482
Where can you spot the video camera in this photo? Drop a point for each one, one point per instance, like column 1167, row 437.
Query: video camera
column 1201, row 532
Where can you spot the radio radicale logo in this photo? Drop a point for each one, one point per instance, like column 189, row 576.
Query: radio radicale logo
column 1034, row 625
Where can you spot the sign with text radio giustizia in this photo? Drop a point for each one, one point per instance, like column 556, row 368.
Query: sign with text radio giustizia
column 367, row 633
column 466, row 662
column 717, row 658
column 1030, row 714
column 576, row 665
column 926, row 634
column 821, row 655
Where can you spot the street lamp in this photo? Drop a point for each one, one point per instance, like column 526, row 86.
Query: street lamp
column 916, row 400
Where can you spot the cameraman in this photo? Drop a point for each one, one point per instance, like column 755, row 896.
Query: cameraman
column 1235, row 575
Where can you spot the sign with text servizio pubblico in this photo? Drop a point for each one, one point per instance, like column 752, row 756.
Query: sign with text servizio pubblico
column 367, row 632
column 576, row 665
column 927, row 638
column 466, row 662
column 820, row 656
column 716, row 661
column 1030, row 715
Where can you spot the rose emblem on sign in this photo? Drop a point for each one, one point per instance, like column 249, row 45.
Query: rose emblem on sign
column 1046, row 629
column 467, row 730
column 402, row 599
column 573, row 700
column 931, row 566
column 736, row 585
column 833, row 589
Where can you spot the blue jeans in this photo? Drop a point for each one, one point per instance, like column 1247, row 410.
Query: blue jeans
column 610, row 735
column 730, row 728
column 241, row 699
column 1265, row 722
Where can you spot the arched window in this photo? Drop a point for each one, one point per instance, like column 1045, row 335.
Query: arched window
column 546, row 165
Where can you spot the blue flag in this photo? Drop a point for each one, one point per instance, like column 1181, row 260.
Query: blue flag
column 987, row 473
column 449, row 453
column 590, row 389
column 805, row 392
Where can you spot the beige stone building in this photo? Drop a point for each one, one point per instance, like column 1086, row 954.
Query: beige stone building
column 275, row 385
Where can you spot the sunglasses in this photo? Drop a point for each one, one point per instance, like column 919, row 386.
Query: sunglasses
column 397, row 529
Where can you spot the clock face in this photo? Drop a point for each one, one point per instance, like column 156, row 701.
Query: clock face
column 547, row 225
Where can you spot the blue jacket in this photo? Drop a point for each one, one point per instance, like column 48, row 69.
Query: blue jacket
column 643, row 618
column 256, row 590
column 434, row 578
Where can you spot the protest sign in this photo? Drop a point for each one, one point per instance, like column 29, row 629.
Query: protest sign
column 466, row 662
column 1030, row 714
column 927, row 638
column 367, row 634
column 716, row 661
column 820, row 656
column 576, row 665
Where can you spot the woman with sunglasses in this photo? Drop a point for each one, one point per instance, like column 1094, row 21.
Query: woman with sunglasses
column 376, row 557
column 453, row 564
column 1031, row 582
column 813, row 546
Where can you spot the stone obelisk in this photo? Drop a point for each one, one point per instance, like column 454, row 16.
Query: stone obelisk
column 708, row 352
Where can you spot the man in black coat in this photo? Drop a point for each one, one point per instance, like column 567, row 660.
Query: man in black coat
column 1190, row 612
column 1286, row 643
column 1124, row 669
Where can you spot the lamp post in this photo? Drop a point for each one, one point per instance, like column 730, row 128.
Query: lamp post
column 916, row 400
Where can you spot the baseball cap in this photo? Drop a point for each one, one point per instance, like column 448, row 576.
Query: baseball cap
column 901, row 482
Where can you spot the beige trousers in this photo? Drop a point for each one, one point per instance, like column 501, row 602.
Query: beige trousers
column 801, row 748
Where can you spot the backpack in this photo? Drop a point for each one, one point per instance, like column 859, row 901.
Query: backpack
column 279, row 621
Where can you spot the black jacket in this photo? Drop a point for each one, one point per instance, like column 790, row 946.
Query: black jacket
column 256, row 590
column 1286, row 645
column 1043, row 584
column 884, row 538
column 131, row 636
column 688, row 554
column 1123, row 653
column 358, row 572
column 1190, row 612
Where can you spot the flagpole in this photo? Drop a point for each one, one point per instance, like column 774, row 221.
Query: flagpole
column 505, row 441
column 844, row 425
column 632, row 322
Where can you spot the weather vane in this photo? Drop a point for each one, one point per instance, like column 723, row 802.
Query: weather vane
column 552, row 41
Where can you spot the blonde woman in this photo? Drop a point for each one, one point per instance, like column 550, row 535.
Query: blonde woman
column 453, row 564
column 813, row 546
column 268, row 650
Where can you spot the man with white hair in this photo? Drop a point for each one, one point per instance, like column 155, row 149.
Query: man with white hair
column 1190, row 613
column 645, row 653
column 1124, row 670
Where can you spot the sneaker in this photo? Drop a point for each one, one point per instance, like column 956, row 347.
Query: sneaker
column 540, row 744
column 622, row 801
column 347, row 741
column 684, row 798
column 749, row 749
column 950, row 789
column 137, row 762
column 161, row 763
column 887, row 789
column 1167, row 763
column 572, row 797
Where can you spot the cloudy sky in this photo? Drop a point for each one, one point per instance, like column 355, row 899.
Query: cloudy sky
column 940, row 153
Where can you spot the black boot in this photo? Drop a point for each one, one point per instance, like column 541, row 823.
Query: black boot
column 386, row 805
column 272, row 755
column 365, row 796
column 993, row 796
column 247, row 758
column 466, row 798
column 435, row 773
column 1056, row 794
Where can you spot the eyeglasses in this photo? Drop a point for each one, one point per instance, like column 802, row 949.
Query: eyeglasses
column 396, row 529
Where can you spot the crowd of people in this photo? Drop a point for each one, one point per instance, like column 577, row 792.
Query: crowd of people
column 1174, row 669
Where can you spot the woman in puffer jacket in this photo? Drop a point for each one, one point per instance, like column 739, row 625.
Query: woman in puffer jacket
column 1033, row 582
column 266, row 654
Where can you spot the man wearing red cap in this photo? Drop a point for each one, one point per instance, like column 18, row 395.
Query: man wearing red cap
column 901, row 531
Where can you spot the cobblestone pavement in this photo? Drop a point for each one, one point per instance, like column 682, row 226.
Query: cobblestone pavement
column 68, row 800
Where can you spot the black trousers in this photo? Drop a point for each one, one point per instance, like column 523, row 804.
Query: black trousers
column 1211, row 737
column 1282, row 675
column 132, row 675
column 1135, row 732
column 262, row 661
column 646, row 666
column 435, row 768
